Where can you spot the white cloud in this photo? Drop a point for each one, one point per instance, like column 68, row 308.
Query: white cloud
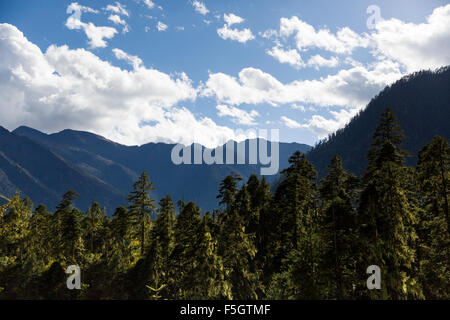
column 180, row 28
column 117, row 20
column 241, row 36
column 323, row 127
column 319, row 61
column 200, row 7
column 161, row 26
column 135, row 61
column 416, row 46
column 95, row 34
column 291, row 57
column 231, row 19
column 149, row 3
column 239, row 116
column 353, row 87
column 306, row 36
column 64, row 88
column 118, row 9
column 290, row 123
column 181, row 126
column 298, row 107
column 294, row 59
column 269, row 34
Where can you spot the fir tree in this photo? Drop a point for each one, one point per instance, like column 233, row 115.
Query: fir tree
column 385, row 219
column 433, row 228
column 141, row 205
column 338, row 222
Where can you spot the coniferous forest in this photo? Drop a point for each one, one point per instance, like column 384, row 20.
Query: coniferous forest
column 304, row 238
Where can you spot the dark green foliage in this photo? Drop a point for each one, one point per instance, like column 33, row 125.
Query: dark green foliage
column 385, row 217
column 433, row 171
column 141, row 206
column 307, row 240
column 338, row 230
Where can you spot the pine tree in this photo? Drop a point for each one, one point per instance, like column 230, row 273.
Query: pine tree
column 121, row 225
column 39, row 235
column 433, row 228
column 209, row 277
column 338, row 223
column 228, row 190
column 93, row 221
column 298, row 242
column 385, row 219
column 236, row 246
column 141, row 205
column 162, row 243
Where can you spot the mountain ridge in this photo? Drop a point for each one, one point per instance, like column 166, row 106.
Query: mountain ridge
column 118, row 166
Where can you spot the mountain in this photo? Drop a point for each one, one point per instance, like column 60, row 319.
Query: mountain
column 44, row 166
column 421, row 102
column 41, row 174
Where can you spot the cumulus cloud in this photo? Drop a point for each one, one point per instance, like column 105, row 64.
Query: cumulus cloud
column 135, row 61
column 64, row 88
column 416, row 46
column 149, row 3
column 95, row 34
column 320, row 125
column 288, row 122
column 291, row 57
column 117, row 20
column 231, row 19
column 323, row 126
column 161, row 26
column 298, row 107
column 241, row 36
column 306, row 36
column 238, row 116
column 319, row 61
column 118, row 8
column 200, row 7
column 226, row 32
column 353, row 87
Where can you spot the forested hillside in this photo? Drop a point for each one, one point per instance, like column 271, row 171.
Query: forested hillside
column 421, row 102
column 306, row 240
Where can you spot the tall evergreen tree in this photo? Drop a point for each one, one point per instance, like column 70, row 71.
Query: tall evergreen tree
column 162, row 243
column 385, row 219
column 295, row 202
column 141, row 205
column 93, row 222
column 433, row 228
column 338, row 222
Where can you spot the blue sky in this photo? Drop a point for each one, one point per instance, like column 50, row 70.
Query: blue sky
column 212, row 67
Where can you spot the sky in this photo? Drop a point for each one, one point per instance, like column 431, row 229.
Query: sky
column 183, row 71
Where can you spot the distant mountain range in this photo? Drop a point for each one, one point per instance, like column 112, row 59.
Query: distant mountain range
column 44, row 166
